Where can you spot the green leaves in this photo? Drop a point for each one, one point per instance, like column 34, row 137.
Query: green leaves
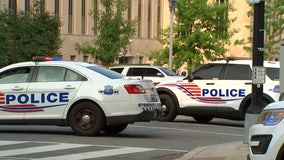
column 201, row 31
column 37, row 33
column 114, row 32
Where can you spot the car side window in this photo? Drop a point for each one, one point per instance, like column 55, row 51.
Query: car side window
column 136, row 72
column 237, row 72
column 50, row 74
column 56, row 74
column 16, row 75
column 152, row 72
column 118, row 70
column 208, row 72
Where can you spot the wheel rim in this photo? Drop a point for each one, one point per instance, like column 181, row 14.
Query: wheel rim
column 165, row 108
column 85, row 119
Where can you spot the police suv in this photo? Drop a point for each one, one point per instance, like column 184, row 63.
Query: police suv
column 220, row 89
column 87, row 97
column 266, row 136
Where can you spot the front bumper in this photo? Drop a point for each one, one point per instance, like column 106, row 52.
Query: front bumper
column 144, row 116
column 265, row 141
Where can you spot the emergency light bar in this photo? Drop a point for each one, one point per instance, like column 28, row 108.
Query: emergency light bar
column 46, row 58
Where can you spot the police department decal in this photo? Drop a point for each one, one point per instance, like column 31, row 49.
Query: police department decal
column 29, row 102
column 108, row 90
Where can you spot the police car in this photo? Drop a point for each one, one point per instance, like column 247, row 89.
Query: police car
column 266, row 136
column 87, row 97
column 220, row 89
column 155, row 73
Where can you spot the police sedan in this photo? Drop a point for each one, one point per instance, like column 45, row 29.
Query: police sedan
column 84, row 96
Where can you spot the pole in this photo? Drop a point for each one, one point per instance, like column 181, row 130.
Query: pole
column 172, row 10
column 257, row 60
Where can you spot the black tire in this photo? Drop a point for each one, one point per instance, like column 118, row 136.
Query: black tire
column 114, row 129
column 203, row 119
column 86, row 119
column 169, row 108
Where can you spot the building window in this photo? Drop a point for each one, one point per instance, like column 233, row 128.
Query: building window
column 56, row 8
column 159, row 18
column 221, row 1
column 149, row 18
column 27, row 5
column 42, row 5
column 83, row 25
column 70, row 16
column 86, row 59
column 129, row 10
column 95, row 18
column 72, row 57
column 139, row 18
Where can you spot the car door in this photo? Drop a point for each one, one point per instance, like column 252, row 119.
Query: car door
column 53, row 89
column 201, row 91
column 234, row 85
column 13, row 98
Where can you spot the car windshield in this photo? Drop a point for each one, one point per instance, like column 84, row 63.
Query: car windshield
column 106, row 72
column 167, row 72
column 273, row 73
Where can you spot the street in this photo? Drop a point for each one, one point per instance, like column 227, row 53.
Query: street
column 153, row 140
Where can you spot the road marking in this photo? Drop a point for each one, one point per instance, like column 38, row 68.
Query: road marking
column 98, row 154
column 29, row 150
column 189, row 130
column 3, row 143
column 56, row 146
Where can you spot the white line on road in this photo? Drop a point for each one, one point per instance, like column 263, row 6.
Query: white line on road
column 97, row 154
column 189, row 130
column 38, row 149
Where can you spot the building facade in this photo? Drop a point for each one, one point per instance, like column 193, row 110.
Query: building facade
column 79, row 26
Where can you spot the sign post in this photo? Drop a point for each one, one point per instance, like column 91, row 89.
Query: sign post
column 257, row 62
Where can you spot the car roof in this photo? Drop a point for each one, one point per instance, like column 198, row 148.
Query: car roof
column 249, row 62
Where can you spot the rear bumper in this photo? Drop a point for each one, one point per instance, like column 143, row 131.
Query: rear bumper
column 145, row 116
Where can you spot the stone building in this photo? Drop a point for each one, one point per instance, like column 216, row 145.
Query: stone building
column 151, row 14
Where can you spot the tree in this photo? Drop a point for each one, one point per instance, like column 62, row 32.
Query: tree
column 201, row 31
column 274, row 25
column 273, row 30
column 114, row 31
column 38, row 33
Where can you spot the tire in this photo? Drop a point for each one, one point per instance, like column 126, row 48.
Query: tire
column 169, row 109
column 86, row 119
column 203, row 119
column 114, row 129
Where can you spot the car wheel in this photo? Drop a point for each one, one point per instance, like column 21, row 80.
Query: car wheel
column 114, row 128
column 86, row 119
column 169, row 109
column 203, row 119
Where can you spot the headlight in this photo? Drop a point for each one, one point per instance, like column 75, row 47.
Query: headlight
column 270, row 117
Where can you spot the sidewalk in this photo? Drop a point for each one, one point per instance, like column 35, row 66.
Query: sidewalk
column 226, row 151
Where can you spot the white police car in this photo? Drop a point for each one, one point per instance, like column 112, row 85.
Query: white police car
column 220, row 89
column 155, row 73
column 87, row 97
column 266, row 136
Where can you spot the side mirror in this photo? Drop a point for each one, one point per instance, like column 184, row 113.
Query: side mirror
column 190, row 77
column 183, row 73
column 160, row 75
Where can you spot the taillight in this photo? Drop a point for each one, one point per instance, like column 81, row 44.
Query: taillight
column 134, row 89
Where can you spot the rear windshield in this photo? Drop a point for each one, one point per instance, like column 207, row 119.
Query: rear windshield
column 273, row 73
column 167, row 72
column 106, row 72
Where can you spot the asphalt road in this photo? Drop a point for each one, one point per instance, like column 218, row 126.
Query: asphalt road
column 153, row 140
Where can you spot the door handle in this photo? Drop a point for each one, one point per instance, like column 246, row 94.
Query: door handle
column 69, row 87
column 210, row 83
column 17, row 88
column 248, row 83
